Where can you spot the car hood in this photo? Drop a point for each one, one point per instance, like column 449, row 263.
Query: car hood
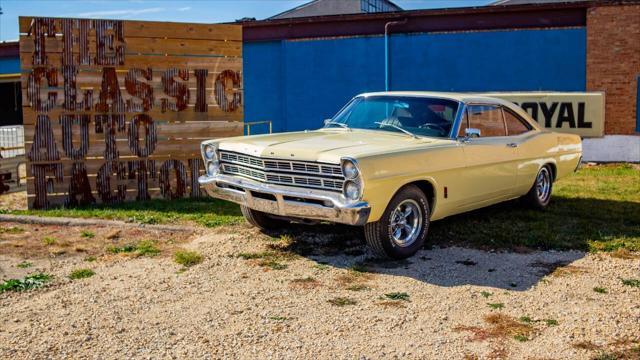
column 326, row 145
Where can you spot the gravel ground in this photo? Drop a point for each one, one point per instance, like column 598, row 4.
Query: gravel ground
column 317, row 296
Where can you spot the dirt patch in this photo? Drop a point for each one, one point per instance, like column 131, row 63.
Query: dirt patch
column 37, row 242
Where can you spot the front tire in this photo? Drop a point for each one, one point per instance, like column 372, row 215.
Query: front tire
column 261, row 220
column 539, row 195
column 402, row 229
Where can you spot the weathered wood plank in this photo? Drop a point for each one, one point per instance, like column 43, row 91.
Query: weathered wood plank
column 157, row 29
column 148, row 46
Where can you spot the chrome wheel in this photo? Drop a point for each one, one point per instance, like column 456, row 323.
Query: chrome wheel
column 543, row 185
column 406, row 223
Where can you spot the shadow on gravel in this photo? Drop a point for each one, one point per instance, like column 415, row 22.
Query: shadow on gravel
column 511, row 247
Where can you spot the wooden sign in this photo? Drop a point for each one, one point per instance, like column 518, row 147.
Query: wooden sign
column 116, row 110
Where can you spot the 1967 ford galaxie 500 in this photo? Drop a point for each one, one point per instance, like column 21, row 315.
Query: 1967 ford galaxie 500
column 392, row 162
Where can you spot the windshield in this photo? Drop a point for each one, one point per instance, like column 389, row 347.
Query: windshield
column 422, row 116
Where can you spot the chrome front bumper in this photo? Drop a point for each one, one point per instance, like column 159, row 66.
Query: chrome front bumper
column 286, row 201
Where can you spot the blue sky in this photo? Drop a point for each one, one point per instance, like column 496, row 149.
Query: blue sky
column 202, row 11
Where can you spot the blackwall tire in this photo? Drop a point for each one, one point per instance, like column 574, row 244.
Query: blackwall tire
column 261, row 220
column 396, row 237
column 539, row 196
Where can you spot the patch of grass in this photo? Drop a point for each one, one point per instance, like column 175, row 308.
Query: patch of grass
column 397, row 296
column 358, row 287
column 24, row 265
column 270, row 259
column 595, row 209
column 551, row 322
column 521, row 338
column 342, row 301
column 359, row 268
column 526, row 319
column 500, row 326
column 631, row 282
column 142, row 248
column 81, row 274
column 321, row 266
column 485, row 294
column 600, row 290
column 129, row 248
column 625, row 254
column 32, row 281
column 90, row 259
column 605, row 356
column 496, row 306
column 48, row 241
column 187, row 258
column 203, row 211
column 11, row 230
column 273, row 265
column 147, row 248
column 87, row 234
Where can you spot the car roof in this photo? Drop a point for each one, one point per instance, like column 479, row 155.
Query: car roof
column 462, row 97
column 466, row 98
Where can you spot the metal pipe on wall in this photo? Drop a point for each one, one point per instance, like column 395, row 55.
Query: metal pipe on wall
column 386, row 50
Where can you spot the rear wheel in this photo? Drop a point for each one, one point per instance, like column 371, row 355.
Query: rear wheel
column 261, row 220
column 402, row 229
column 539, row 195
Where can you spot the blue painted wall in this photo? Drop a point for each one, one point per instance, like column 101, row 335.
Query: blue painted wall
column 9, row 65
column 297, row 84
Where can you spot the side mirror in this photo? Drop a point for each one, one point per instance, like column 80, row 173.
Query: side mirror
column 326, row 121
column 471, row 133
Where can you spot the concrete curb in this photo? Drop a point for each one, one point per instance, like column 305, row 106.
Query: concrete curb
column 63, row 221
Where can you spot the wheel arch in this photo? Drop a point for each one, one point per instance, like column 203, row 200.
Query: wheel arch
column 554, row 169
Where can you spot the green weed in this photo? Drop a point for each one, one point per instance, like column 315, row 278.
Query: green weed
column 81, row 274
column 28, row 282
column 187, row 258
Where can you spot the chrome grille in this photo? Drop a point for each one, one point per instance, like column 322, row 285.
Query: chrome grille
column 283, row 172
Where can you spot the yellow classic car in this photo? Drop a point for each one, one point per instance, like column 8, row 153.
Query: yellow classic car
column 392, row 162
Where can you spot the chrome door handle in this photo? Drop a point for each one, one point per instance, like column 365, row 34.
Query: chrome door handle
column 512, row 145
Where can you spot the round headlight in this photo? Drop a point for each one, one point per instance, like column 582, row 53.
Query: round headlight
column 349, row 169
column 210, row 152
column 352, row 190
column 212, row 168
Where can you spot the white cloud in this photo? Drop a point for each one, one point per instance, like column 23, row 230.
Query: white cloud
column 120, row 13
column 186, row 8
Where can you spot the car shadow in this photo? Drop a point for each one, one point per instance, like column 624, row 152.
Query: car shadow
column 503, row 246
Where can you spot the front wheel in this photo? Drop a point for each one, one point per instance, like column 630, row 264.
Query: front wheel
column 539, row 195
column 261, row 220
column 402, row 229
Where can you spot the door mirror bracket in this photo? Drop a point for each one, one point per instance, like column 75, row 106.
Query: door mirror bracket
column 470, row 133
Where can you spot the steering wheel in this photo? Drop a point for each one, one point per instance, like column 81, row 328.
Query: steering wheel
column 433, row 127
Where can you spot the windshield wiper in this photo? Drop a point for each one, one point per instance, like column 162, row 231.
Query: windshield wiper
column 399, row 128
column 343, row 125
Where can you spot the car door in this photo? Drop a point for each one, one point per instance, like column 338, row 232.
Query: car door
column 490, row 158
column 526, row 143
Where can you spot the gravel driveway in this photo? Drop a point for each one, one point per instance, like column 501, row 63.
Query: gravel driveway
column 316, row 296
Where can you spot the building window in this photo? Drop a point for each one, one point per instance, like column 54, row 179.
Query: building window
column 373, row 6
